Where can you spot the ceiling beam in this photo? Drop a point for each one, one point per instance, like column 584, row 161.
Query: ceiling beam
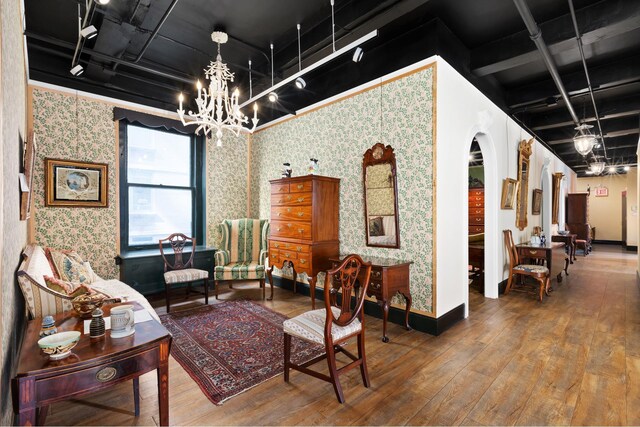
column 611, row 74
column 597, row 22
column 611, row 128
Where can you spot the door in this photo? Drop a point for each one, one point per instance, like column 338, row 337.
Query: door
column 624, row 219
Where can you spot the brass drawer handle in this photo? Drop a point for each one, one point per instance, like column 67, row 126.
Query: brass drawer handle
column 300, row 230
column 533, row 252
column 289, row 225
column 276, row 245
column 376, row 274
column 288, row 197
column 287, row 255
column 106, row 374
column 478, row 219
column 302, row 261
column 300, row 199
column 279, row 228
column 289, row 210
column 300, row 214
column 375, row 285
column 300, row 186
column 282, row 189
column 299, row 248
column 279, row 213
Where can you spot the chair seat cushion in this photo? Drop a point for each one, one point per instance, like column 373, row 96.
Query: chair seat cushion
column 310, row 326
column 239, row 271
column 532, row 268
column 186, row 275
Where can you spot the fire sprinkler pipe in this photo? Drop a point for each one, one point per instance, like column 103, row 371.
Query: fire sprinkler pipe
column 536, row 36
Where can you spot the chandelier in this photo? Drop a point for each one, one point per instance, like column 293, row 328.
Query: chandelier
column 597, row 167
column 584, row 140
column 217, row 111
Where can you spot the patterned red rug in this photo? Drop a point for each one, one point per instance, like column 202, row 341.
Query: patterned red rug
column 229, row 347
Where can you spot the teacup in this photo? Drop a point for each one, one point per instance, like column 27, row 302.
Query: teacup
column 122, row 321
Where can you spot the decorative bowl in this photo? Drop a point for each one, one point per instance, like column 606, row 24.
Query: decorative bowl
column 58, row 346
column 86, row 303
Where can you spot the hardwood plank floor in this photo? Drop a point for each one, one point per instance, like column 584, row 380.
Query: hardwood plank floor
column 573, row 359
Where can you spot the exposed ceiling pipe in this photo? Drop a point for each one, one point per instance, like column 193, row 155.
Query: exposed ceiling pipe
column 586, row 73
column 153, row 34
column 536, row 36
column 88, row 16
column 109, row 58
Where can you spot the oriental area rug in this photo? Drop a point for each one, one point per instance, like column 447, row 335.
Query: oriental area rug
column 230, row 347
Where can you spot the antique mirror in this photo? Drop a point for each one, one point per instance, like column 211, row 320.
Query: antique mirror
column 381, row 197
column 557, row 180
column 524, row 152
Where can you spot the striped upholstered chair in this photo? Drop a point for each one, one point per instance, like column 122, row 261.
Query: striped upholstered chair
column 243, row 252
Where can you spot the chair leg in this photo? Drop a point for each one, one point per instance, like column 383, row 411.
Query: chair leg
column 167, row 290
column 363, row 367
column 333, row 373
column 508, row 288
column 566, row 266
column 542, row 288
column 206, row 291
column 215, row 285
column 264, row 289
column 287, row 356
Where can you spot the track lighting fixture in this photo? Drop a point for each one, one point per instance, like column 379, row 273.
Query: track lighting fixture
column 89, row 32
column 77, row 70
column 273, row 97
column 102, row 2
column 357, row 54
column 300, row 83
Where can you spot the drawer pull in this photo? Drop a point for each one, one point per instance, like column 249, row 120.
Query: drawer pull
column 299, row 248
column 533, row 252
column 375, row 285
column 302, row 261
column 376, row 274
column 300, row 214
column 289, row 210
column 287, row 255
column 301, row 230
column 300, row 199
column 283, row 189
column 279, row 228
column 279, row 213
column 288, row 198
column 478, row 219
column 289, row 225
column 106, row 374
column 300, row 186
column 276, row 245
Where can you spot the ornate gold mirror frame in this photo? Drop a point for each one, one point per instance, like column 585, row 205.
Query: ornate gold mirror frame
column 557, row 180
column 524, row 152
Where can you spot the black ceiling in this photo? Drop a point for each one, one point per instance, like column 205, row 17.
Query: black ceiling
column 486, row 41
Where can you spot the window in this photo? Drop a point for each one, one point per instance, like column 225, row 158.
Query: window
column 161, row 185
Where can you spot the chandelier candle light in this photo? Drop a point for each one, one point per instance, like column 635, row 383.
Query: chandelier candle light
column 217, row 111
column 584, row 140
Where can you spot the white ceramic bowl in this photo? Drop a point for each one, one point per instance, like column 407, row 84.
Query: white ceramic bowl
column 58, row 346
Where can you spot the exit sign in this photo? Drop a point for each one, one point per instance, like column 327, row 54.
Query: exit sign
column 602, row 192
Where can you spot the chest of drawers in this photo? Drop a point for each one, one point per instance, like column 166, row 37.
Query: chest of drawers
column 476, row 210
column 304, row 225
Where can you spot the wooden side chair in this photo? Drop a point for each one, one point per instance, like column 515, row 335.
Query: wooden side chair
column 179, row 271
column 341, row 319
column 538, row 272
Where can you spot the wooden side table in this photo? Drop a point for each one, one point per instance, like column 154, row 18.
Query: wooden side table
column 92, row 365
column 569, row 241
column 388, row 277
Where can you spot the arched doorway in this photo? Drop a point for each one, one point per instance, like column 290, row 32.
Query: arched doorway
column 491, row 206
column 546, row 185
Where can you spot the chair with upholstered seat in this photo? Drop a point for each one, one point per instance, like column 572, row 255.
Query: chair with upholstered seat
column 243, row 252
column 539, row 272
column 342, row 318
column 178, row 271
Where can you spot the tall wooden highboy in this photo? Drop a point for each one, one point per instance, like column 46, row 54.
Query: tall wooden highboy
column 304, row 225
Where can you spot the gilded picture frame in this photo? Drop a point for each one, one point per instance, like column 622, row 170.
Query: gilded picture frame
column 509, row 187
column 536, row 201
column 71, row 183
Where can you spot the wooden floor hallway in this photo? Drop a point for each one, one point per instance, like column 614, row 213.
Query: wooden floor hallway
column 573, row 359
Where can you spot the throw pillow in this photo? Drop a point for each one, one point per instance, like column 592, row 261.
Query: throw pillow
column 375, row 226
column 69, row 266
column 68, row 288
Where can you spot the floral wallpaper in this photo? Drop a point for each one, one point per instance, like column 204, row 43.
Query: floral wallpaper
column 226, row 183
column 399, row 113
column 76, row 128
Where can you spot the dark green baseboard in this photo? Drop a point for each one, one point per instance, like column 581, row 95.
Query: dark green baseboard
column 607, row 242
column 419, row 322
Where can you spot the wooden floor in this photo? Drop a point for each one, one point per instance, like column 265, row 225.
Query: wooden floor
column 573, row 359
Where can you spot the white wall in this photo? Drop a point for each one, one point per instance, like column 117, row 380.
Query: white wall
column 462, row 112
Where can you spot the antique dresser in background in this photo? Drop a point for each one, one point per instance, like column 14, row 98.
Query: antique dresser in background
column 304, row 225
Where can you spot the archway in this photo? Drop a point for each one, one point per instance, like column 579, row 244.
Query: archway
column 492, row 203
column 546, row 184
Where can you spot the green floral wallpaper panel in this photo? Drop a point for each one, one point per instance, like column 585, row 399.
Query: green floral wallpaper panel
column 400, row 114
column 226, row 183
column 79, row 129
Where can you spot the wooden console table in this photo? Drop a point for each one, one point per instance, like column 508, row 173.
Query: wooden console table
column 569, row 241
column 388, row 277
column 551, row 252
column 92, row 365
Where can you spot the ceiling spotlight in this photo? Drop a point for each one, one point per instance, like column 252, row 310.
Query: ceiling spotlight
column 588, row 172
column 89, row 32
column 77, row 70
column 357, row 54
column 102, row 2
column 612, row 169
column 273, row 97
column 627, row 168
column 300, row 83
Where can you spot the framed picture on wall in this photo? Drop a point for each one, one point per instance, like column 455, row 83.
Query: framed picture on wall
column 536, row 203
column 509, row 187
column 75, row 184
column 26, row 176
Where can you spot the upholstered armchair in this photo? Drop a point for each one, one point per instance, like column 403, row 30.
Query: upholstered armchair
column 243, row 252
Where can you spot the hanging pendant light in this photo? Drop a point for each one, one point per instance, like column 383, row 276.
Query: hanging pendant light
column 584, row 140
column 597, row 167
